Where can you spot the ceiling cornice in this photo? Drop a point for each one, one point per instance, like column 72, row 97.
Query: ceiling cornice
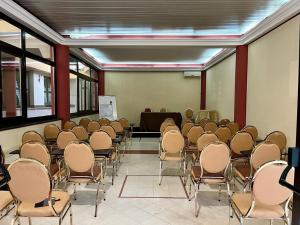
column 286, row 12
column 219, row 57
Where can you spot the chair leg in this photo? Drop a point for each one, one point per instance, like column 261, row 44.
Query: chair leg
column 196, row 201
column 71, row 214
column 97, row 199
column 15, row 218
column 219, row 193
column 75, row 193
column 160, row 172
column 29, row 221
column 271, row 222
column 113, row 175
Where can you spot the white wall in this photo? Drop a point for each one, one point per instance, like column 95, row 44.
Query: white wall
column 136, row 91
column 273, row 62
column 220, row 85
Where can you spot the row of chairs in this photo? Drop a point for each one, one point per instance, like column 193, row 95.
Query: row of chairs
column 217, row 159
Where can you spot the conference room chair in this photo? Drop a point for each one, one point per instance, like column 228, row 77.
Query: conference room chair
column 93, row 126
column 69, row 125
column 189, row 113
column 124, row 122
column 184, row 121
column 100, row 140
column 117, row 127
column 172, row 150
column 261, row 154
column 34, row 195
column 39, row 152
column 234, row 127
column 170, row 120
column 210, row 126
column 213, row 169
column 241, row 146
column 32, row 135
column 192, row 136
column 278, row 138
column 84, row 122
column 224, row 134
column 203, row 140
column 51, row 132
column 164, row 125
column 251, row 130
column 64, row 138
column 82, row 168
column 109, row 130
column 185, row 129
column 104, row 121
column 223, row 122
column 203, row 122
column 170, row 127
column 268, row 200
column 81, row 133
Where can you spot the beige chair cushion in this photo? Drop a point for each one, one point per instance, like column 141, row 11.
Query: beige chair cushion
column 28, row 209
column 243, row 202
column 5, row 199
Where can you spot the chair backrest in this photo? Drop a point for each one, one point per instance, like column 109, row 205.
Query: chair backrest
column 205, row 139
column 251, row 130
column 64, row 138
column 93, row 126
column 51, row 131
column 163, row 110
column 30, row 181
column 224, row 134
column 124, row 122
column 171, row 127
column 79, row 157
column 81, row 133
column 263, row 153
column 2, row 156
column 104, row 122
column 203, row 122
column 266, row 188
column 211, row 126
column 215, row 158
column 171, row 120
column 278, row 138
column 194, row 133
column 69, row 125
column 117, row 126
column 164, row 125
column 234, row 127
column 185, row 129
column 37, row 151
column 189, row 113
column 241, row 141
column 100, row 140
column 32, row 136
column 173, row 142
column 84, row 122
column 110, row 130
column 224, row 122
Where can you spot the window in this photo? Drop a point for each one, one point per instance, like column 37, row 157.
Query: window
column 38, row 47
column 83, row 87
column 10, row 34
column 38, row 79
column 11, row 85
column 27, row 76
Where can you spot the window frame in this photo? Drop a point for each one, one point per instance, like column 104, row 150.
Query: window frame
column 86, row 78
column 23, row 120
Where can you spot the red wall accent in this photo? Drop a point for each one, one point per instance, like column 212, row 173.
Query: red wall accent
column 240, row 99
column 101, row 82
column 63, row 82
column 203, row 90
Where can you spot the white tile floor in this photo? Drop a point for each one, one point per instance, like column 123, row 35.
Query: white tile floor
column 145, row 211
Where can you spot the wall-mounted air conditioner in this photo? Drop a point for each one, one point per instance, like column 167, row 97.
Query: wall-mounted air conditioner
column 192, row 73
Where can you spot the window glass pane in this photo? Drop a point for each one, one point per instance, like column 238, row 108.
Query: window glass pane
column 88, row 95
column 83, row 69
column 94, row 96
column 73, row 93
column 40, row 89
column 73, row 64
column 11, row 85
column 81, row 94
column 94, row 74
column 10, row 34
column 38, row 47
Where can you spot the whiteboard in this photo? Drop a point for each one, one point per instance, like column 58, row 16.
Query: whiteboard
column 108, row 107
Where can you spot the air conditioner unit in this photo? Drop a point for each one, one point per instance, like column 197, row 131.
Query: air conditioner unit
column 192, row 73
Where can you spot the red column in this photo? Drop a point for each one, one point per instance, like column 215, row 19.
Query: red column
column 9, row 91
column 101, row 82
column 240, row 99
column 203, row 90
column 63, row 82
